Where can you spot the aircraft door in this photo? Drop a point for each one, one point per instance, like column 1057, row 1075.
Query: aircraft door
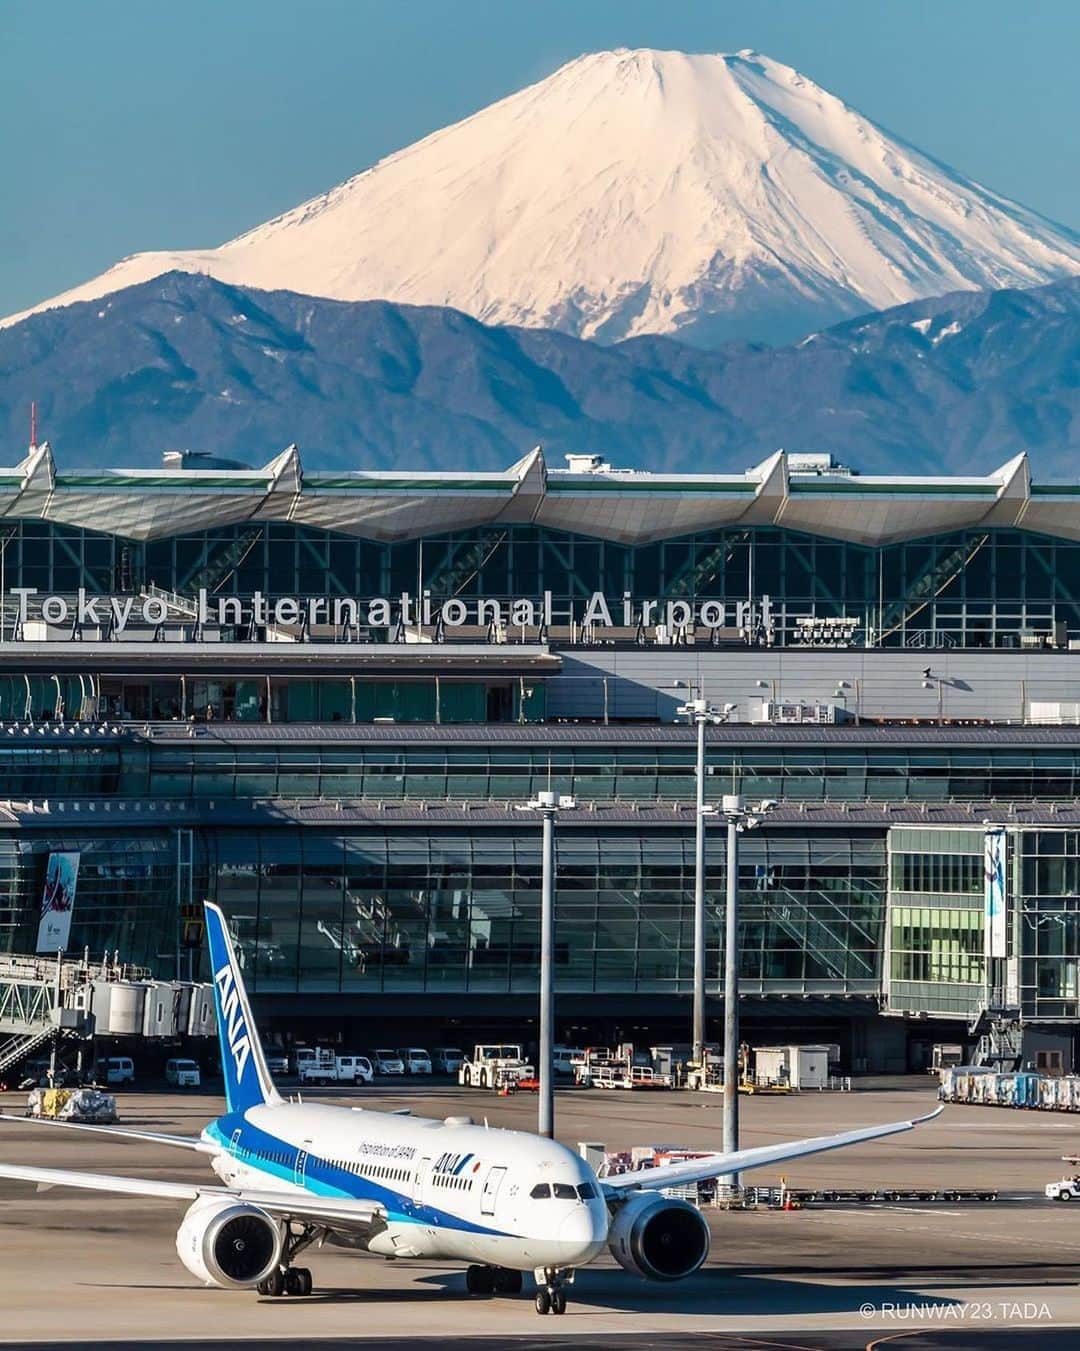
column 300, row 1170
column 420, row 1178
column 492, row 1183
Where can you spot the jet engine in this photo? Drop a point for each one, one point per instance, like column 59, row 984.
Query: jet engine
column 658, row 1238
column 229, row 1243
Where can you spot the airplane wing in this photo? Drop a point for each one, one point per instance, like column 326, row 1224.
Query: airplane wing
column 179, row 1141
column 716, row 1165
column 334, row 1213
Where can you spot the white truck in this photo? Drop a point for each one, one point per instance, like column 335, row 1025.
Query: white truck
column 327, row 1068
column 494, row 1067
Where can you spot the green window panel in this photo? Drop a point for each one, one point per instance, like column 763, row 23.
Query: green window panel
column 462, row 701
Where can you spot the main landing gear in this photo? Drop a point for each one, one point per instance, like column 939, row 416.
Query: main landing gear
column 480, row 1280
column 550, row 1295
column 286, row 1281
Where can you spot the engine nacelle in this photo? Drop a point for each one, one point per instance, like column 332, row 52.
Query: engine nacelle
column 229, row 1243
column 659, row 1238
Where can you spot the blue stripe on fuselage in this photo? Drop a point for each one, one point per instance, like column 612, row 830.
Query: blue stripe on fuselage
column 238, row 1137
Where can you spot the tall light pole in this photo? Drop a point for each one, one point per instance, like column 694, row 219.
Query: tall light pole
column 738, row 819
column 702, row 714
column 548, row 804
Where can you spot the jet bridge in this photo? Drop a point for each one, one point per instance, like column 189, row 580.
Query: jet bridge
column 43, row 1000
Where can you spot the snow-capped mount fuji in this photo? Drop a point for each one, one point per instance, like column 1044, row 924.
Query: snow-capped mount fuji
column 634, row 192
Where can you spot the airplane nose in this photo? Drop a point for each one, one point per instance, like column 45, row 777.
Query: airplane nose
column 584, row 1228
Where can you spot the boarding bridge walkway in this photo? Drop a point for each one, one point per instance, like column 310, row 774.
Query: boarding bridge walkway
column 42, row 1000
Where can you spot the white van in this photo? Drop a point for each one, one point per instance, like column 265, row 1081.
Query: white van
column 183, row 1074
column 387, row 1062
column 119, row 1069
column 447, row 1059
column 415, row 1060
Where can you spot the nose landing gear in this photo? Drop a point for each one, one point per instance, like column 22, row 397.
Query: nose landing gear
column 550, row 1295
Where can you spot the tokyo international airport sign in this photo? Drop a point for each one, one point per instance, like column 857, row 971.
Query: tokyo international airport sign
column 379, row 612
column 58, row 902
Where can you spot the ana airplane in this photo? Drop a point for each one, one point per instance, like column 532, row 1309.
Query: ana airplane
column 505, row 1202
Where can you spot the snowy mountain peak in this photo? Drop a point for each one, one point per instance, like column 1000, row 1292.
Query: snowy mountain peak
column 641, row 191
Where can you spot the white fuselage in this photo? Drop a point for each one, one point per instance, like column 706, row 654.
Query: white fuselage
column 498, row 1197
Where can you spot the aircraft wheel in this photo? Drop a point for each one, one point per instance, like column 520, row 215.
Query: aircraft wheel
column 294, row 1284
column 483, row 1079
column 273, row 1285
column 558, row 1301
column 467, row 1078
column 304, row 1277
column 543, row 1302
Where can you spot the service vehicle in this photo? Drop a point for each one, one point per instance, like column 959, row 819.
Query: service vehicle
column 320, row 1068
column 387, row 1062
column 354, row 1069
column 119, row 1069
column 277, row 1062
column 415, row 1059
column 945, row 1056
column 566, row 1061
column 1068, row 1189
column 183, row 1074
column 495, row 1066
column 447, row 1059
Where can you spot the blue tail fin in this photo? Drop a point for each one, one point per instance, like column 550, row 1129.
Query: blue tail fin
column 247, row 1080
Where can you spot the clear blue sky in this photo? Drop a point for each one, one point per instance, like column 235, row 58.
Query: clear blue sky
column 142, row 124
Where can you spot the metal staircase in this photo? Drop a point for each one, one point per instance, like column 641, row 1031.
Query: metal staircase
column 15, row 1049
column 939, row 575
column 999, row 1034
column 804, row 923
column 220, row 565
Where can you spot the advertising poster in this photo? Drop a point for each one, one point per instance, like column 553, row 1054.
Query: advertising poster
column 58, row 902
column 995, row 893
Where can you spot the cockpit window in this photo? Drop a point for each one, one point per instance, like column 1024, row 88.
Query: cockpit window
column 541, row 1192
column 564, row 1191
column 587, row 1191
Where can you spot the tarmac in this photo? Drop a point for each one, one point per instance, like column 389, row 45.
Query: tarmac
column 79, row 1267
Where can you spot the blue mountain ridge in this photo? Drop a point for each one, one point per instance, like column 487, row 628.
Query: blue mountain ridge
column 955, row 384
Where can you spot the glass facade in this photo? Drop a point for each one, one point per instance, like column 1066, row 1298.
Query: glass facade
column 936, row 926
column 211, row 767
column 1050, row 923
column 125, row 899
column 457, row 912
column 968, row 588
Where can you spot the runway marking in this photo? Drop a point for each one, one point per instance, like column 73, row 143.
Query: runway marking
column 920, row 1228
column 917, row 1210
column 1011, row 1126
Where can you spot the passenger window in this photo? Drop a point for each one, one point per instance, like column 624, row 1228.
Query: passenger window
column 565, row 1192
column 540, row 1192
column 587, row 1191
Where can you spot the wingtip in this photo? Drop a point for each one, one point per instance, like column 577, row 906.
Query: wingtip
column 929, row 1116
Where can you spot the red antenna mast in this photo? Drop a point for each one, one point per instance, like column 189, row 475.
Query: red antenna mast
column 33, row 425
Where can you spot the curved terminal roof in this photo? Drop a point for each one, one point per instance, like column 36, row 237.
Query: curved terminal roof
column 629, row 507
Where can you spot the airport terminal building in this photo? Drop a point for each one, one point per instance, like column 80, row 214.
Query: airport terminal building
column 321, row 700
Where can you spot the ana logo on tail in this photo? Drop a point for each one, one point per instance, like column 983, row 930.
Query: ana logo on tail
column 232, row 1020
